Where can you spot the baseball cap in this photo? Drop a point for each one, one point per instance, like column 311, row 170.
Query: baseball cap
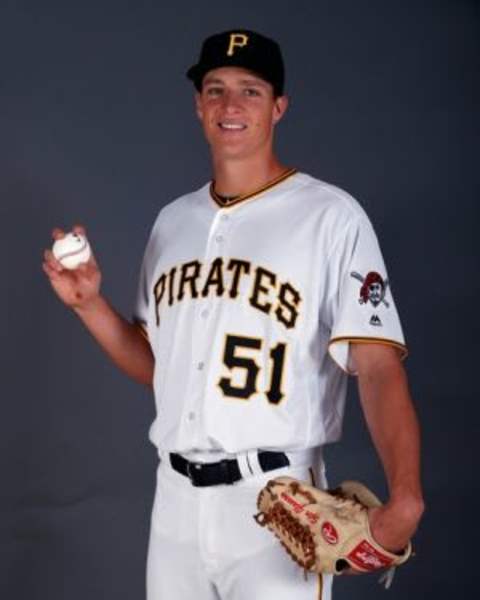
column 241, row 48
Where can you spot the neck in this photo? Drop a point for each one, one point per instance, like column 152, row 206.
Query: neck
column 239, row 177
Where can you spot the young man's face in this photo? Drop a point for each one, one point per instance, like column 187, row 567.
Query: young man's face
column 238, row 112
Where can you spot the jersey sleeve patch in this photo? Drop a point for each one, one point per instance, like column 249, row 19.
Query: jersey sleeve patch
column 373, row 288
column 372, row 294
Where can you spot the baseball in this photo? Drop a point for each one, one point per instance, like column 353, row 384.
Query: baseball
column 72, row 250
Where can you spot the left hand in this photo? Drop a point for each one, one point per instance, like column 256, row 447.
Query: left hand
column 393, row 524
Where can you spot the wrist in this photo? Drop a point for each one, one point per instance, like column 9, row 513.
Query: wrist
column 93, row 304
column 411, row 506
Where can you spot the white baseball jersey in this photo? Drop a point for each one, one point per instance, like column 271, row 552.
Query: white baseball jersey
column 249, row 307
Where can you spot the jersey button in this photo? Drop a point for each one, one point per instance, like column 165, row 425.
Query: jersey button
column 204, row 313
column 219, row 239
column 224, row 218
column 200, row 365
column 191, row 416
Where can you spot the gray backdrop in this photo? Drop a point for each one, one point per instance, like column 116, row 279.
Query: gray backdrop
column 97, row 126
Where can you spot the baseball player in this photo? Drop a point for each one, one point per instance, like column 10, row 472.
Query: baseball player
column 259, row 293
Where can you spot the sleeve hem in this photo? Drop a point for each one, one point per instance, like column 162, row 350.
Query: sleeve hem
column 142, row 326
column 363, row 340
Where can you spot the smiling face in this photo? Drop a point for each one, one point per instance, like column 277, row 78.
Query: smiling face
column 238, row 112
column 375, row 293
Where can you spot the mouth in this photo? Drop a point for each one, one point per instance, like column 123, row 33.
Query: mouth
column 229, row 126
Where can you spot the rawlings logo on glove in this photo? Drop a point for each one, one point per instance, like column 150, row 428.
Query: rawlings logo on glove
column 325, row 531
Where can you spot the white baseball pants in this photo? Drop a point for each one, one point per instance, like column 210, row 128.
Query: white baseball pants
column 205, row 544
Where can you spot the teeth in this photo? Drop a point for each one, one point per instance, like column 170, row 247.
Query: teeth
column 234, row 126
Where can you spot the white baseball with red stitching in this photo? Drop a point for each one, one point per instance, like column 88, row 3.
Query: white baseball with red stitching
column 72, row 250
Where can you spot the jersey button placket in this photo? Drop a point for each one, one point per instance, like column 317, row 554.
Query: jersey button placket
column 215, row 247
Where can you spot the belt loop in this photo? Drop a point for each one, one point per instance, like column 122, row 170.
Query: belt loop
column 253, row 462
column 245, row 470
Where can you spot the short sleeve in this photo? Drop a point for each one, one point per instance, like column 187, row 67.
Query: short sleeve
column 363, row 309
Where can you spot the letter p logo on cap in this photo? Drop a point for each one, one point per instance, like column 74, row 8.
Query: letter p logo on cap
column 236, row 40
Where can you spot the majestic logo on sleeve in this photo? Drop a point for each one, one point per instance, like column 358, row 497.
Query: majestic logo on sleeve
column 373, row 290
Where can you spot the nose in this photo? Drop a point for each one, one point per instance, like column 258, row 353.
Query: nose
column 231, row 101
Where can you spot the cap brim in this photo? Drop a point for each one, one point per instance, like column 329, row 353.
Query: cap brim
column 193, row 72
column 197, row 72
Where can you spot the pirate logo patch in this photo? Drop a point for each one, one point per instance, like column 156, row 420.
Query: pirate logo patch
column 373, row 289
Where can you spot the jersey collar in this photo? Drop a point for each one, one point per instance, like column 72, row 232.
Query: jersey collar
column 237, row 199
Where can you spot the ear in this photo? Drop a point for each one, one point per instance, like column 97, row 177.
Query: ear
column 279, row 108
column 198, row 105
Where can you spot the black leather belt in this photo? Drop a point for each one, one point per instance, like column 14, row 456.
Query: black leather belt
column 224, row 471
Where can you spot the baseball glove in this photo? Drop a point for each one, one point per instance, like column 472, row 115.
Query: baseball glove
column 326, row 531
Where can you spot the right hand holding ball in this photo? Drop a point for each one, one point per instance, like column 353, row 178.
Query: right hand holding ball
column 72, row 269
column 72, row 250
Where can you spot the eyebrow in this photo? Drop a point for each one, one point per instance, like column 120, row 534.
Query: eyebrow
column 211, row 80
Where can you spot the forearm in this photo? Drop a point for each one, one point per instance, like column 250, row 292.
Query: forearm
column 394, row 428
column 121, row 340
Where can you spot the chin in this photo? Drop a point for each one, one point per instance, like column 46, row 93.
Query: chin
column 238, row 149
column 231, row 150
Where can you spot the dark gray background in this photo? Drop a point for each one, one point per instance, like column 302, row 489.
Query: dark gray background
column 97, row 126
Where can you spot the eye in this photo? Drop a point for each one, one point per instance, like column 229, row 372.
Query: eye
column 213, row 91
column 251, row 92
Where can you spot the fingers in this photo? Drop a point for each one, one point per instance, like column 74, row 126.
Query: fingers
column 351, row 571
column 389, row 529
column 56, row 271
column 52, row 274
column 50, row 260
column 87, row 269
column 79, row 229
column 58, row 233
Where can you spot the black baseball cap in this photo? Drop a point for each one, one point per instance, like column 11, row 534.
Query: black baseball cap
column 241, row 48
